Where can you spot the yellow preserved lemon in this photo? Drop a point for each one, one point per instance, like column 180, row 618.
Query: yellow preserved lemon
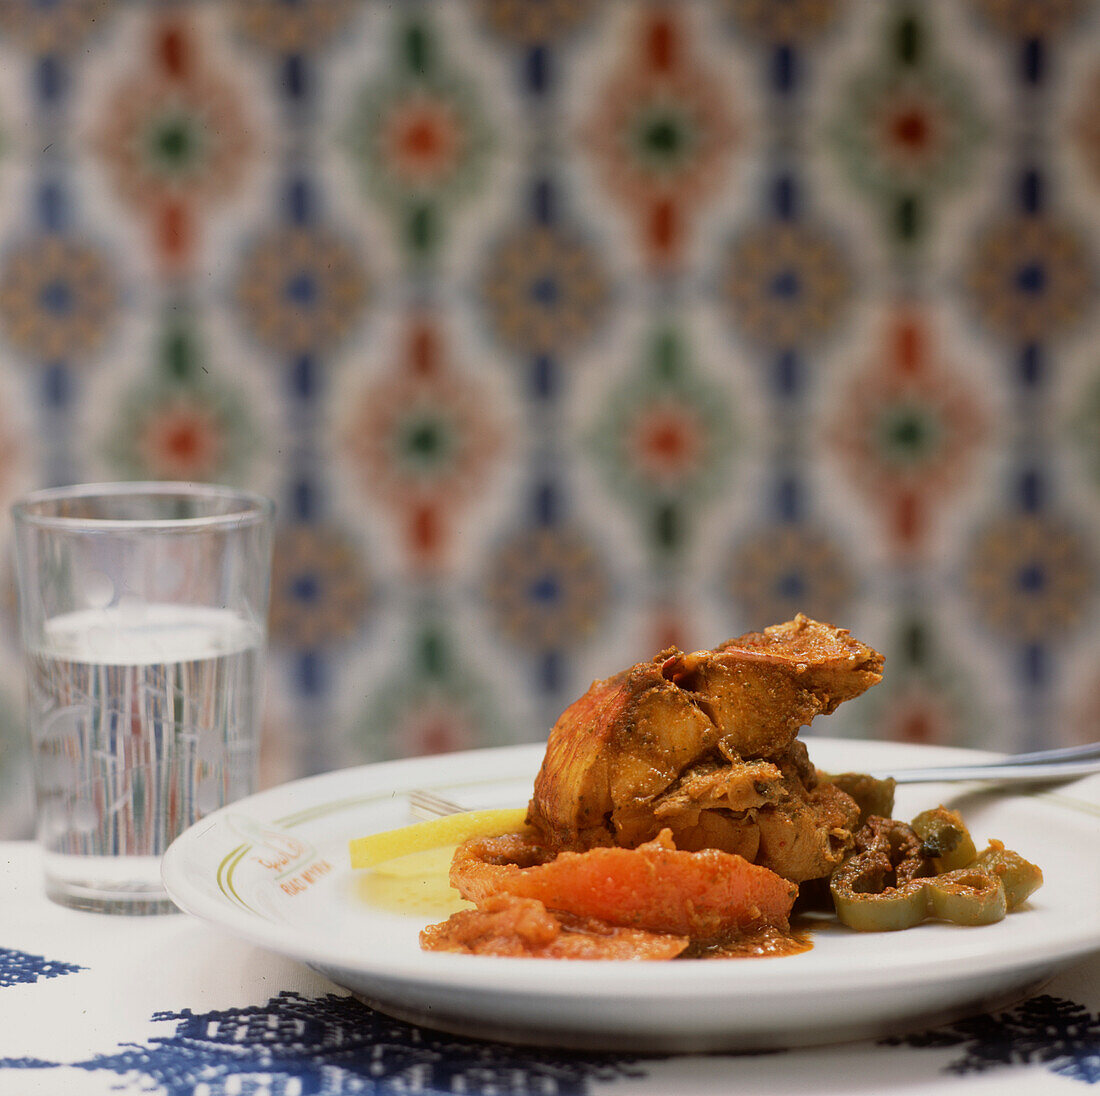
column 377, row 848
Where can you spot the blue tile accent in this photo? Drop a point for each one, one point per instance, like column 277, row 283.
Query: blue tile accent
column 537, row 70
column 50, row 78
column 784, row 69
column 295, row 78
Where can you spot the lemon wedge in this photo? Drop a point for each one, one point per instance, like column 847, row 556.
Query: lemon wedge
column 377, row 848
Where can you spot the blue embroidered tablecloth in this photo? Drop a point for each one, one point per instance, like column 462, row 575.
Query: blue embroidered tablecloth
column 107, row 1005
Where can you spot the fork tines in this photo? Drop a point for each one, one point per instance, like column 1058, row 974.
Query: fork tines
column 426, row 804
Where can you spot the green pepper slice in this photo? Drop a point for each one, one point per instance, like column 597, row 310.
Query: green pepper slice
column 863, row 903
column 967, row 897
column 945, row 838
column 1019, row 877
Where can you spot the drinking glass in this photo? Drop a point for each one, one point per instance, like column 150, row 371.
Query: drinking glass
column 142, row 612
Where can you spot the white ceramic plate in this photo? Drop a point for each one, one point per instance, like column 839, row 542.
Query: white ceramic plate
column 274, row 869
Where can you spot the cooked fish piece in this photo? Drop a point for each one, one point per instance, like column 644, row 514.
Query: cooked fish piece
column 705, row 744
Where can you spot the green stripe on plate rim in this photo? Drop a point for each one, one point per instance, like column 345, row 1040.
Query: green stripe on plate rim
column 225, row 875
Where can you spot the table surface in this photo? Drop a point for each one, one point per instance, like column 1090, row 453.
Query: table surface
column 98, row 1004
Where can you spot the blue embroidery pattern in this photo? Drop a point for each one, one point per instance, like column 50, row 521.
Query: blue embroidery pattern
column 20, row 967
column 1050, row 1031
column 337, row 1045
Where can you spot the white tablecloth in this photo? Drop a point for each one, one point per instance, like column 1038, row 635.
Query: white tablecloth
column 97, row 1004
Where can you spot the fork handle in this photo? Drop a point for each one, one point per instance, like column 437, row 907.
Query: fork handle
column 1026, row 772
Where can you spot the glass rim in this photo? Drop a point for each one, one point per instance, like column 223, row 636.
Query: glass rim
column 248, row 507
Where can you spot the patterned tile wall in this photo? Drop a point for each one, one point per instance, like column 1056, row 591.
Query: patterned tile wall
column 562, row 330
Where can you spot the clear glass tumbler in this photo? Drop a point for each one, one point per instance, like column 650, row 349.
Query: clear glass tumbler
column 143, row 610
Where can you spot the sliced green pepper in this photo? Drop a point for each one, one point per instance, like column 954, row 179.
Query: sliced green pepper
column 865, row 903
column 889, row 911
column 967, row 897
column 1019, row 877
column 945, row 839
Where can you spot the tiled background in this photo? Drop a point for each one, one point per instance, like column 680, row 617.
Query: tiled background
column 565, row 329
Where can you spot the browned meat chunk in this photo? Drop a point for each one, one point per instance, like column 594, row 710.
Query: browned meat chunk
column 705, row 745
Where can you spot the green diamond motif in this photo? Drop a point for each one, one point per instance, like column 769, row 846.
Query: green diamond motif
column 175, row 144
column 663, row 139
column 426, row 442
column 909, row 434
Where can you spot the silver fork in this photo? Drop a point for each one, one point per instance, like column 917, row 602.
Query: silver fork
column 1043, row 765
column 426, row 804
